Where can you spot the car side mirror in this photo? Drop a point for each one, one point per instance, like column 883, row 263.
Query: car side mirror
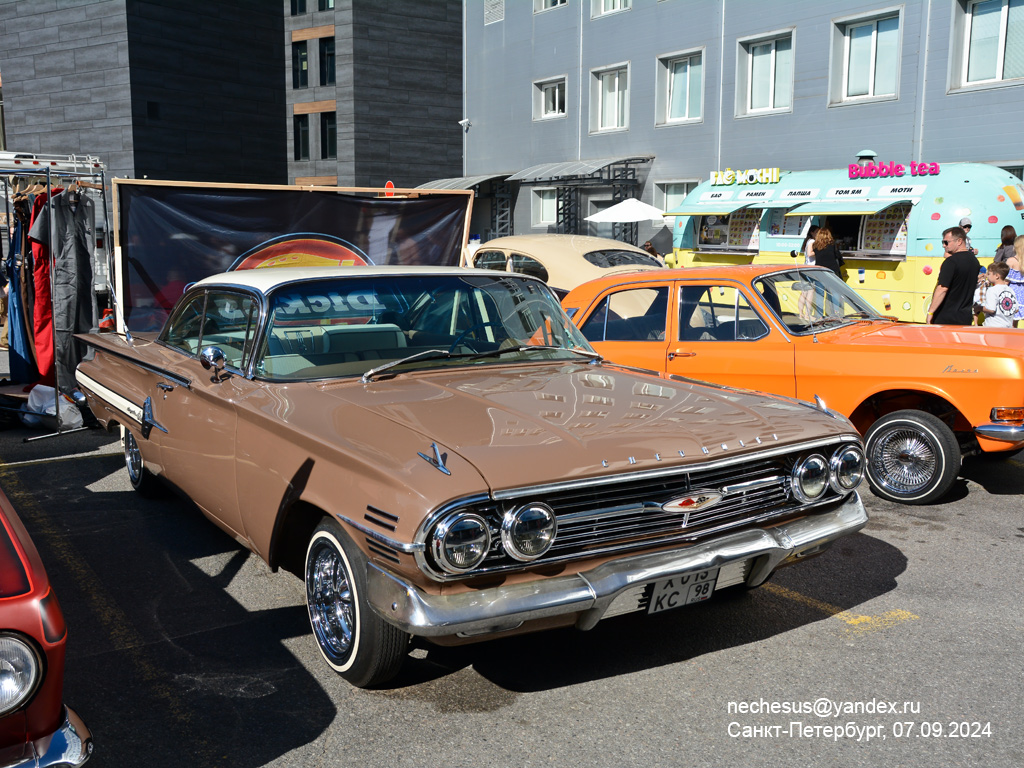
column 212, row 358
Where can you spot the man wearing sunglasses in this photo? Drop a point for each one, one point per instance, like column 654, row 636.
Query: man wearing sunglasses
column 953, row 296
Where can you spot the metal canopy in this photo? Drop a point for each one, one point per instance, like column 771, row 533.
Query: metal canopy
column 844, row 207
column 460, row 182
column 572, row 170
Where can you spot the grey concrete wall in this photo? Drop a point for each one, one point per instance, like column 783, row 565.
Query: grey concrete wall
column 66, row 79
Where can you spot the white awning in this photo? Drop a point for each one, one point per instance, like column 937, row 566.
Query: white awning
column 844, row 207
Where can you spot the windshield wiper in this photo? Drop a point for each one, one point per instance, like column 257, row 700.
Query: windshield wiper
column 593, row 356
column 861, row 313
column 427, row 354
column 828, row 320
column 442, row 354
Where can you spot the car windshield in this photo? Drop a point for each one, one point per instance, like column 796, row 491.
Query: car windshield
column 347, row 327
column 812, row 300
column 616, row 258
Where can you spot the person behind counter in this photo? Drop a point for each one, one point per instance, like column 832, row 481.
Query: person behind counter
column 1005, row 249
column 953, row 297
column 826, row 252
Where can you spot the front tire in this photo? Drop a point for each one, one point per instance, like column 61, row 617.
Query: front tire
column 358, row 644
column 142, row 480
column 912, row 457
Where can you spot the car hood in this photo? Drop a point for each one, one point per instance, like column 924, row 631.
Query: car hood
column 933, row 337
column 540, row 423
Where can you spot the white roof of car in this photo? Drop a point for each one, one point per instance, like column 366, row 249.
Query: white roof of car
column 268, row 278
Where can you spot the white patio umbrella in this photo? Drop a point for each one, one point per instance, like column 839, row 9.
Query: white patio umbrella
column 628, row 210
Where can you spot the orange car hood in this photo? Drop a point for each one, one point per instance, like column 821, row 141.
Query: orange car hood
column 932, row 337
column 555, row 422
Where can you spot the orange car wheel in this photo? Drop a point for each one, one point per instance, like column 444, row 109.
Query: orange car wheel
column 912, row 457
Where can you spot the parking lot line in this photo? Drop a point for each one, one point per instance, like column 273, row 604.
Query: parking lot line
column 859, row 623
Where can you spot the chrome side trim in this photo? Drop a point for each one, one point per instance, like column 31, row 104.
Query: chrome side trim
column 399, row 546
column 590, row 593
column 176, row 378
column 1007, row 433
column 123, row 404
column 676, row 469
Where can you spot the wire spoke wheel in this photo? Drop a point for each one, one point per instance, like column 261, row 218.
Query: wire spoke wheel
column 912, row 457
column 331, row 611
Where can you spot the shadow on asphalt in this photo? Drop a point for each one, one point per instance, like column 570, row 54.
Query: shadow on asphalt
column 856, row 570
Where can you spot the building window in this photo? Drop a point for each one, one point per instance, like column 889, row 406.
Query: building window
column 328, row 135
column 549, row 99
column 870, row 56
column 494, row 10
column 994, row 35
column 325, row 5
column 609, row 99
column 680, row 88
column 769, row 70
column 300, row 65
column 603, row 7
column 327, row 66
column 547, row 5
column 545, row 207
column 298, row 6
column 672, row 193
column 301, row 123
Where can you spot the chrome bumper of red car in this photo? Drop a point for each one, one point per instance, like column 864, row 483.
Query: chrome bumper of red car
column 591, row 593
column 67, row 747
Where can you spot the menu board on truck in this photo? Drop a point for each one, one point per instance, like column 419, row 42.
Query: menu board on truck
column 886, row 230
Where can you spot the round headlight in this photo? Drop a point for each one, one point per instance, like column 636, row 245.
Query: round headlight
column 527, row 532
column 810, row 477
column 460, row 542
column 847, row 468
column 19, row 673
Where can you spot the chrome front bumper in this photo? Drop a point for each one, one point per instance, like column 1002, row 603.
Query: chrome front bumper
column 67, row 747
column 1007, row 433
column 590, row 593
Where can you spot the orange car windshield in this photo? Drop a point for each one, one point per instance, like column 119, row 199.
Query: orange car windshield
column 812, row 300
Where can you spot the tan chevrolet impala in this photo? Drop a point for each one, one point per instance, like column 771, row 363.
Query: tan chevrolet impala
column 441, row 454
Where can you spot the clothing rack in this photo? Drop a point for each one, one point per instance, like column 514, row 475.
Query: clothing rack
column 84, row 172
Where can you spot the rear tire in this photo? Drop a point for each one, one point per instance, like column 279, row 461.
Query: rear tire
column 357, row 643
column 142, row 480
column 912, row 457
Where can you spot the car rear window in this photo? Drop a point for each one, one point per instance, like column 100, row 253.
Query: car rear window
column 616, row 258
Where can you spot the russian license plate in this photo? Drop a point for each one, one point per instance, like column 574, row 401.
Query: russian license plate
column 682, row 590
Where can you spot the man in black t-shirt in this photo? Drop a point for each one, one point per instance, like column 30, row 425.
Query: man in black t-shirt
column 953, row 297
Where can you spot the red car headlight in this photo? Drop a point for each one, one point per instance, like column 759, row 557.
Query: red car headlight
column 20, row 672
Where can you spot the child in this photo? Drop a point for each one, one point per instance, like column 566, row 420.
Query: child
column 1000, row 302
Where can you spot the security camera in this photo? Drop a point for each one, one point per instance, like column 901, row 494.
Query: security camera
column 464, row 122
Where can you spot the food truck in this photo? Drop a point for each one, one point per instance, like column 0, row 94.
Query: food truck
column 887, row 218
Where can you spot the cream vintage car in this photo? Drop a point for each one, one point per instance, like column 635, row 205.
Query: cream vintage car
column 563, row 261
column 439, row 452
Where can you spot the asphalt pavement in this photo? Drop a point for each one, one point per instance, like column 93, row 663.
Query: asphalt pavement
column 901, row 646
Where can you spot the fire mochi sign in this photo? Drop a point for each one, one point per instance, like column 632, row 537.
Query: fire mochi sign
column 882, row 170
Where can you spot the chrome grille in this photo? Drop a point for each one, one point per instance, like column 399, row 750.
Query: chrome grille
column 619, row 516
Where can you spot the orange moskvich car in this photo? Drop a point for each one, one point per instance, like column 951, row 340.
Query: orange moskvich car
column 923, row 396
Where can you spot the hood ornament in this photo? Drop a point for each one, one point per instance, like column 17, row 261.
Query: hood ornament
column 437, row 460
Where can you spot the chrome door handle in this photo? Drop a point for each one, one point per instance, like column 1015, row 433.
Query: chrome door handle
column 680, row 353
column 165, row 387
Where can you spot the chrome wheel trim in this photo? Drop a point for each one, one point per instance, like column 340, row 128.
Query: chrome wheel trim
column 133, row 459
column 331, row 601
column 904, row 460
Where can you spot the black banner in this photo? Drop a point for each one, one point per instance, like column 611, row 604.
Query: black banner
column 172, row 236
